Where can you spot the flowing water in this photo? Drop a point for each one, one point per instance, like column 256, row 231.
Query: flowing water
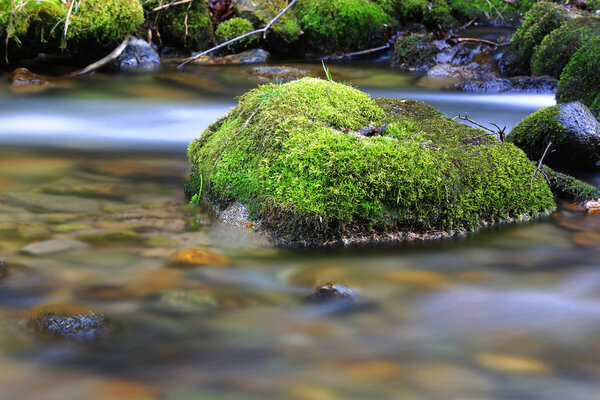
column 511, row 313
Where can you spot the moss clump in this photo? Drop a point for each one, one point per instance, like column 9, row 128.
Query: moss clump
column 493, row 12
column 295, row 154
column 568, row 188
column 414, row 52
column 186, row 25
column 39, row 25
column 580, row 79
column 535, row 131
column 433, row 14
column 282, row 33
column 555, row 51
column 341, row 25
column 593, row 5
column 233, row 28
column 542, row 19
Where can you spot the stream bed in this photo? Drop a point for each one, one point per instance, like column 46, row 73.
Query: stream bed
column 508, row 313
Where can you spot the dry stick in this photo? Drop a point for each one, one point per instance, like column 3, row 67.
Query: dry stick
column 245, row 35
column 539, row 167
column 68, row 17
column 103, row 61
column 468, row 24
column 173, row 3
column 484, row 41
column 499, row 133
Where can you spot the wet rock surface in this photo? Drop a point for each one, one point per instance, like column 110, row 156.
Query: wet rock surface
column 86, row 327
column 523, row 84
column 277, row 74
column 137, row 56
column 52, row 246
column 336, row 292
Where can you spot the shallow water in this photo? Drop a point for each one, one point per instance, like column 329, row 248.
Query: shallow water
column 508, row 313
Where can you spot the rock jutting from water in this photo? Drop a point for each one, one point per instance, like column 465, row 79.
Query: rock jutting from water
column 83, row 327
column 296, row 155
column 573, row 130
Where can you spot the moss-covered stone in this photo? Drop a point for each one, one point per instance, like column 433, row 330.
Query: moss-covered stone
column 433, row 14
column 557, row 48
column 187, row 25
column 567, row 188
column 233, row 28
column 283, row 33
column 593, row 5
column 580, row 79
column 315, row 160
column 342, row 25
column 414, row 52
column 542, row 19
column 40, row 25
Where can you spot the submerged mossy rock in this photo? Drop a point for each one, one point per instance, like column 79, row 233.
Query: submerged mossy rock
column 573, row 130
column 414, row 52
column 233, row 28
column 342, row 25
column 580, row 80
column 318, row 161
column 34, row 26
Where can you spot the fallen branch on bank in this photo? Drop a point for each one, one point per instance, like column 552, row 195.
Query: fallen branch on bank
column 499, row 133
column 236, row 39
column 386, row 46
column 539, row 167
column 171, row 4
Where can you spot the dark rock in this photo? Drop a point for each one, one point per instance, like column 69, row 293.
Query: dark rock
column 521, row 84
column 334, row 292
column 138, row 55
column 254, row 56
column 573, row 130
column 83, row 327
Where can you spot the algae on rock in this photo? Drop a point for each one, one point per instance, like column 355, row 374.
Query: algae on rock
column 317, row 160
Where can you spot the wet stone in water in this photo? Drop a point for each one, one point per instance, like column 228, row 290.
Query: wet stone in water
column 83, row 327
column 188, row 258
column 182, row 302
column 335, row 292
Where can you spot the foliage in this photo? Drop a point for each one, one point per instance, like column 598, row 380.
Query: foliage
column 293, row 153
column 433, row 14
column 580, row 79
column 555, row 51
column 342, row 24
column 233, row 28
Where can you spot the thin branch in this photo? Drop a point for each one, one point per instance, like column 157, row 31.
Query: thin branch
column 68, row 18
column 245, row 35
column 103, row 61
column 171, row 4
column 498, row 133
column 465, row 26
column 539, row 167
column 484, row 41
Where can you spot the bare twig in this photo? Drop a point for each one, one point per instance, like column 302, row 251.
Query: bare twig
column 468, row 24
column 484, row 41
column 245, row 35
column 498, row 133
column 171, row 4
column 68, row 18
column 539, row 167
column 103, row 61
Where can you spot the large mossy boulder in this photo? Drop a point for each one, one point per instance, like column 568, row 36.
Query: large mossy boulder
column 542, row 19
column 573, row 130
column 580, row 79
column 342, row 25
column 33, row 26
column 316, row 161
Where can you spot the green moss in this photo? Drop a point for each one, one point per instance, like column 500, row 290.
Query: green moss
column 568, row 188
column 542, row 19
column 293, row 154
column 555, row 51
column 534, row 132
column 233, row 28
column 494, row 12
column 580, row 79
column 340, row 25
column 31, row 21
column 186, row 25
column 287, row 28
column 432, row 14
column 593, row 5
column 104, row 20
column 414, row 53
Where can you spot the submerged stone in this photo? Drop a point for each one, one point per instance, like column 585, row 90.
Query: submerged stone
column 254, row 56
column 112, row 238
column 336, row 292
column 294, row 154
column 182, row 302
column 52, row 246
column 83, row 327
column 138, row 55
column 189, row 258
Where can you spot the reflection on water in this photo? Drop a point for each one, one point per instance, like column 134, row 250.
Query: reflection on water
column 509, row 313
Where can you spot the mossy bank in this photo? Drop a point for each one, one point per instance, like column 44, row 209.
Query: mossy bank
column 317, row 161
